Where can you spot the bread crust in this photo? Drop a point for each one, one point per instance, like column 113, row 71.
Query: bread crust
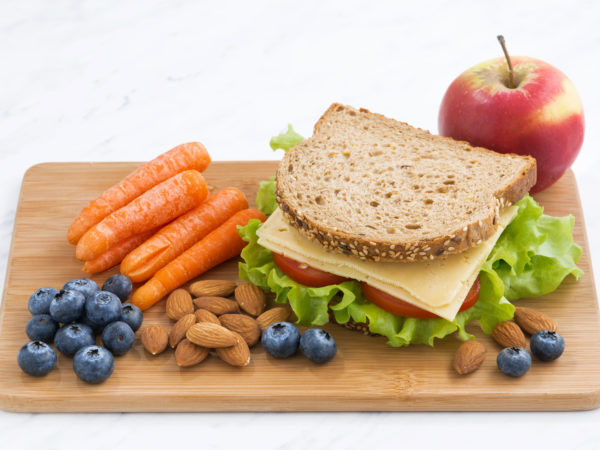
column 452, row 242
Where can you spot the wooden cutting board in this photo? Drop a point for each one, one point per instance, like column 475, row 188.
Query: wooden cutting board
column 365, row 375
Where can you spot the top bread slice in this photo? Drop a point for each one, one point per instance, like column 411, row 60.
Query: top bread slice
column 382, row 190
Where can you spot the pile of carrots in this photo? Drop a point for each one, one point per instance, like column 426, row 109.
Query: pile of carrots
column 162, row 224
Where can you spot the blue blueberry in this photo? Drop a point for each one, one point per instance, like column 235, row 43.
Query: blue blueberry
column 93, row 364
column 39, row 302
column 41, row 327
column 36, row 358
column 119, row 285
column 67, row 306
column 70, row 338
column 84, row 285
column 281, row 339
column 514, row 361
column 547, row 345
column 97, row 329
column 103, row 308
column 118, row 337
column 318, row 345
column 132, row 316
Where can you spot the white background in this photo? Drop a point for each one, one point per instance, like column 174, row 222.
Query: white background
column 124, row 81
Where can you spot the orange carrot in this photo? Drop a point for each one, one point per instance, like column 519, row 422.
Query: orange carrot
column 192, row 155
column 182, row 233
column 154, row 208
column 218, row 246
column 115, row 255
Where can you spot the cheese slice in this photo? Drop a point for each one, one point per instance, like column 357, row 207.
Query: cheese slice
column 439, row 286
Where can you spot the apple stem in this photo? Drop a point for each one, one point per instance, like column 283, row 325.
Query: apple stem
column 511, row 75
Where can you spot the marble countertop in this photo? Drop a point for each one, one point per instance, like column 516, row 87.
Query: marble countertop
column 124, row 81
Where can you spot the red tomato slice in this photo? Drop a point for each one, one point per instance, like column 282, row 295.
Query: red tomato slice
column 304, row 274
column 401, row 308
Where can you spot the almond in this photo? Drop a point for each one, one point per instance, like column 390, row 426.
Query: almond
column 251, row 298
column 212, row 288
column 154, row 338
column 245, row 326
column 216, row 305
column 237, row 355
column 508, row 334
column 273, row 315
column 532, row 321
column 188, row 354
column 179, row 303
column 210, row 335
column 178, row 331
column 469, row 357
column 204, row 315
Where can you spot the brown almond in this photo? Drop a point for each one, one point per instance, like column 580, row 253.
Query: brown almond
column 237, row 355
column 531, row 321
column 508, row 334
column 212, row 288
column 154, row 338
column 210, row 335
column 273, row 315
column 251, row 298
column 469, row 357
column 204, row 315
column 188, row 354
column 216, row 305
column 179, row 303
column 245, row 326
column 178, row 330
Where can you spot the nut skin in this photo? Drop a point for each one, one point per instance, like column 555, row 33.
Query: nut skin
column 508, row 334
column 245, row 326
column 154, row 338
column 188, row 354
column 531, row 321
column 179, row 303
column 216, row 305
column 204, row 315
column 212, row 288
column 273, row 315
column 180, row 328
column 237, row 355
column 251, row 298
column 469, row 357
column 210, row 335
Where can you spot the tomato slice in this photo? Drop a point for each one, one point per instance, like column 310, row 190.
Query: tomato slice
column 401, row 308
column 304, row 274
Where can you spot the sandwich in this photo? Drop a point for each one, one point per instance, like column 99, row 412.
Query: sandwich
column 389, row 230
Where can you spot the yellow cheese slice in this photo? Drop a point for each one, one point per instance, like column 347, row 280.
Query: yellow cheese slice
column 439, row 286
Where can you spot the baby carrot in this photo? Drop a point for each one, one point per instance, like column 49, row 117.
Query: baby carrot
column 154, row 208
column 192, row 155
column 182, row 233
column 115, row 255
column 218, row 246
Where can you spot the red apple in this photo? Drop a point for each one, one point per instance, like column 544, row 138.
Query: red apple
column 540, row 116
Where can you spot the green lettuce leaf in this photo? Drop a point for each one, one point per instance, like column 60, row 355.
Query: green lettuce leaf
column 286, row 140
column 265, row 197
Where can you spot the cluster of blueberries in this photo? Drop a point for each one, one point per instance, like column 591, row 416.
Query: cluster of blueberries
column 546, row 345
column 85, row 312
column 282, row 340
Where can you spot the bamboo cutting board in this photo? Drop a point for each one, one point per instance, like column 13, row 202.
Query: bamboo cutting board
column 365, row 375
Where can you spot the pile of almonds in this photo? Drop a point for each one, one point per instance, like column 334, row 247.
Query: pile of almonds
column 470, row 355
column 206, row 319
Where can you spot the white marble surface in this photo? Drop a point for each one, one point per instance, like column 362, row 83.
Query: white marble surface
column 115, row 80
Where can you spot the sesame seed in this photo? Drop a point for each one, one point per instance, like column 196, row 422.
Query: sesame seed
column 384, row 254
column 393, row 246
column 430, row 256
column 450, row 249
column 465, row 229
column 422, row 253
column 373, row 244
column 427, row 248
column 478, row 242
column 452, row 236
column 447, row 243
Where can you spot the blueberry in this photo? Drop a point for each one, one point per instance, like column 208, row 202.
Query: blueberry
column 84, row 285
column 36, row 358
column 132, row 316
column 119, row 285
column 318, row 345
column 281, row 339
column 67, row 306
column 70, row 338
column 547, row 345
column 118, row 337
column 41, row 327
column 93, row 364
column 96, row 329
column 514, row 361
column 39, row 302
column 103, row 308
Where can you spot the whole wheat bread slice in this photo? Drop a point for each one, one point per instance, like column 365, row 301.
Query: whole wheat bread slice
column 380, row 189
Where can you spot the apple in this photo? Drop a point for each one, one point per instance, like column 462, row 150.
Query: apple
column 517, row 105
